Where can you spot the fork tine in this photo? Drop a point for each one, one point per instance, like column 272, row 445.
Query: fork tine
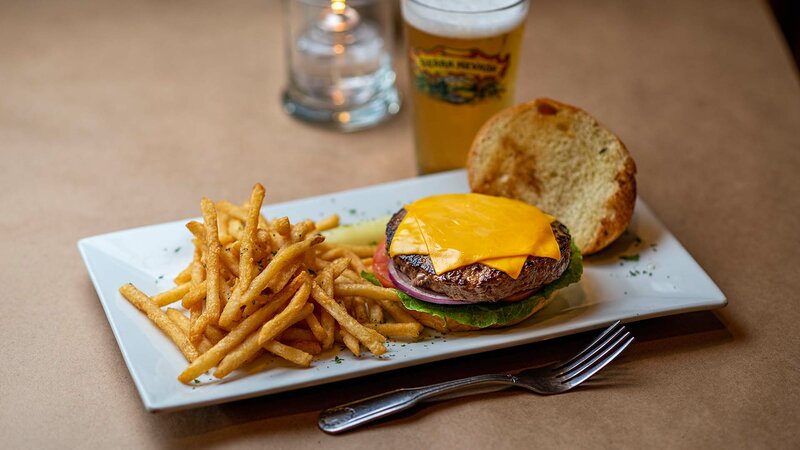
column 590, row 365
column 585, row 376
column 590, row 353
column 589, row 347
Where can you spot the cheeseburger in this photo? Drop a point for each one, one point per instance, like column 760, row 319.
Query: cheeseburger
column 471, row 261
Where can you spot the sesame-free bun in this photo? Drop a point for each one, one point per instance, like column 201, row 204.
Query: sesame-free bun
column 559, row 158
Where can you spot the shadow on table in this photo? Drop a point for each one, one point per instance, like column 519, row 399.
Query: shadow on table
column 287, row 412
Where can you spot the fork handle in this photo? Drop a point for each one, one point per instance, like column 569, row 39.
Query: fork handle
column 350, row 415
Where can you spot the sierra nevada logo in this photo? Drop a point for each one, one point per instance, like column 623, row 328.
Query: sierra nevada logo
column 459, row 76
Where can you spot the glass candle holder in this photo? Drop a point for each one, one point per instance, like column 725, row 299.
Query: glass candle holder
column 339, row 63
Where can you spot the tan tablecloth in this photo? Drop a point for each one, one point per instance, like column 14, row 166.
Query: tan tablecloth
column 115, row 115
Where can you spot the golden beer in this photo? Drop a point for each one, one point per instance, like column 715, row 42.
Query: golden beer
column 461, row 74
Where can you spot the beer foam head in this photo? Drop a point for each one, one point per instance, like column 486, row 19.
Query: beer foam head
column 464, row 19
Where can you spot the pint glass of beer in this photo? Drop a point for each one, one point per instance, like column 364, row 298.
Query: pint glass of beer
column 463, row 57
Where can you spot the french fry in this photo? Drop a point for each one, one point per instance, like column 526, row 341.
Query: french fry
column 225, row 292
column 285, row 294
column 362, row 251
column 198, row 230
column 355, row 261
column 226, row 239
column 230, row 263
column 183, row 322
column 337, row 267
column 397, row 312
column 296, row 334
column 350, row 276
column 238, row 334
column 310, row 347
column 329, row 325
column 338, row 252
column 371, row 339
column 215, row 334
column 332, row 254
column 351, row 343
column 263, row 237
column 233, row 248
column 178, row 319
column 280, row 281
column 285, row 318
column 260, row 282
column 326, row 276
column 360, row 309
column 195, row 295
column 327, row 223
column 185, row 275
column 194, row 315
column 237, row 211
column 235, row 228
column 282, row 226
column 397, row 330
column 250, row 346
column 375, row 311
column 238, row 356
column 198, row 271
column 289, row 353
column 155, row 314
column 325, row 280
column 276, row 241
column 222, row 225
column 172, row 295
column 247, row 267
column 316, row 328
column 260, row 363
column 255, row 304
column 365, row 290
column 301, row 230
column 212, row 307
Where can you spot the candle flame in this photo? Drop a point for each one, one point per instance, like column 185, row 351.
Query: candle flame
column 338, row 6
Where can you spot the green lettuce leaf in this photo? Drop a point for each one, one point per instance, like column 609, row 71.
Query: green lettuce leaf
column 488, row 314
column 371, row 278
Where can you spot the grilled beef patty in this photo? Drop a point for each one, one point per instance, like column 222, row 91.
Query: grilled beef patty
column 476, row 282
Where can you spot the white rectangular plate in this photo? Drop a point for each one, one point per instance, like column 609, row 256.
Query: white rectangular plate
column 665, row 280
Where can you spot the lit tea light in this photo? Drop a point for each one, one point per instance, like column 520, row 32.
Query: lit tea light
column 339, row 18
column 338, row 6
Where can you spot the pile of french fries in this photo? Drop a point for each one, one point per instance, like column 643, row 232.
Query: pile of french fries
column 257, row 288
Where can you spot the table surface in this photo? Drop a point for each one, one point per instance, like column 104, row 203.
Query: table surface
column 120, row 114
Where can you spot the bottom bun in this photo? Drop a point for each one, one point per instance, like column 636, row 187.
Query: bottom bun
column 446, row 325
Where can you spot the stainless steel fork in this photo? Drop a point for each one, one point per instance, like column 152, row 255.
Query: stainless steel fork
column 552, row 379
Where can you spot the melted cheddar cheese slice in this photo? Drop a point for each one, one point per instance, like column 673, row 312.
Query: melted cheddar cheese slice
column 456, row 230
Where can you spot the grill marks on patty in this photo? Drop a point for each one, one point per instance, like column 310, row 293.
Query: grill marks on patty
column 477, row 282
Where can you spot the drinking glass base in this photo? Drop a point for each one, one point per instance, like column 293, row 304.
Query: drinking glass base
column 375, row 111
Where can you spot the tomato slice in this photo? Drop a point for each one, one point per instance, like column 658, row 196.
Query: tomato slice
column 380, row 264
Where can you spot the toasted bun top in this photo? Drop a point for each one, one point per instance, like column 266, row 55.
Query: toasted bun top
column 559, row 158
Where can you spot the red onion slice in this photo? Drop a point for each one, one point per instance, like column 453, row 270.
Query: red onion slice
column 403, row 282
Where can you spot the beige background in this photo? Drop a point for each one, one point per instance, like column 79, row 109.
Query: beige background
column 121, row 114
